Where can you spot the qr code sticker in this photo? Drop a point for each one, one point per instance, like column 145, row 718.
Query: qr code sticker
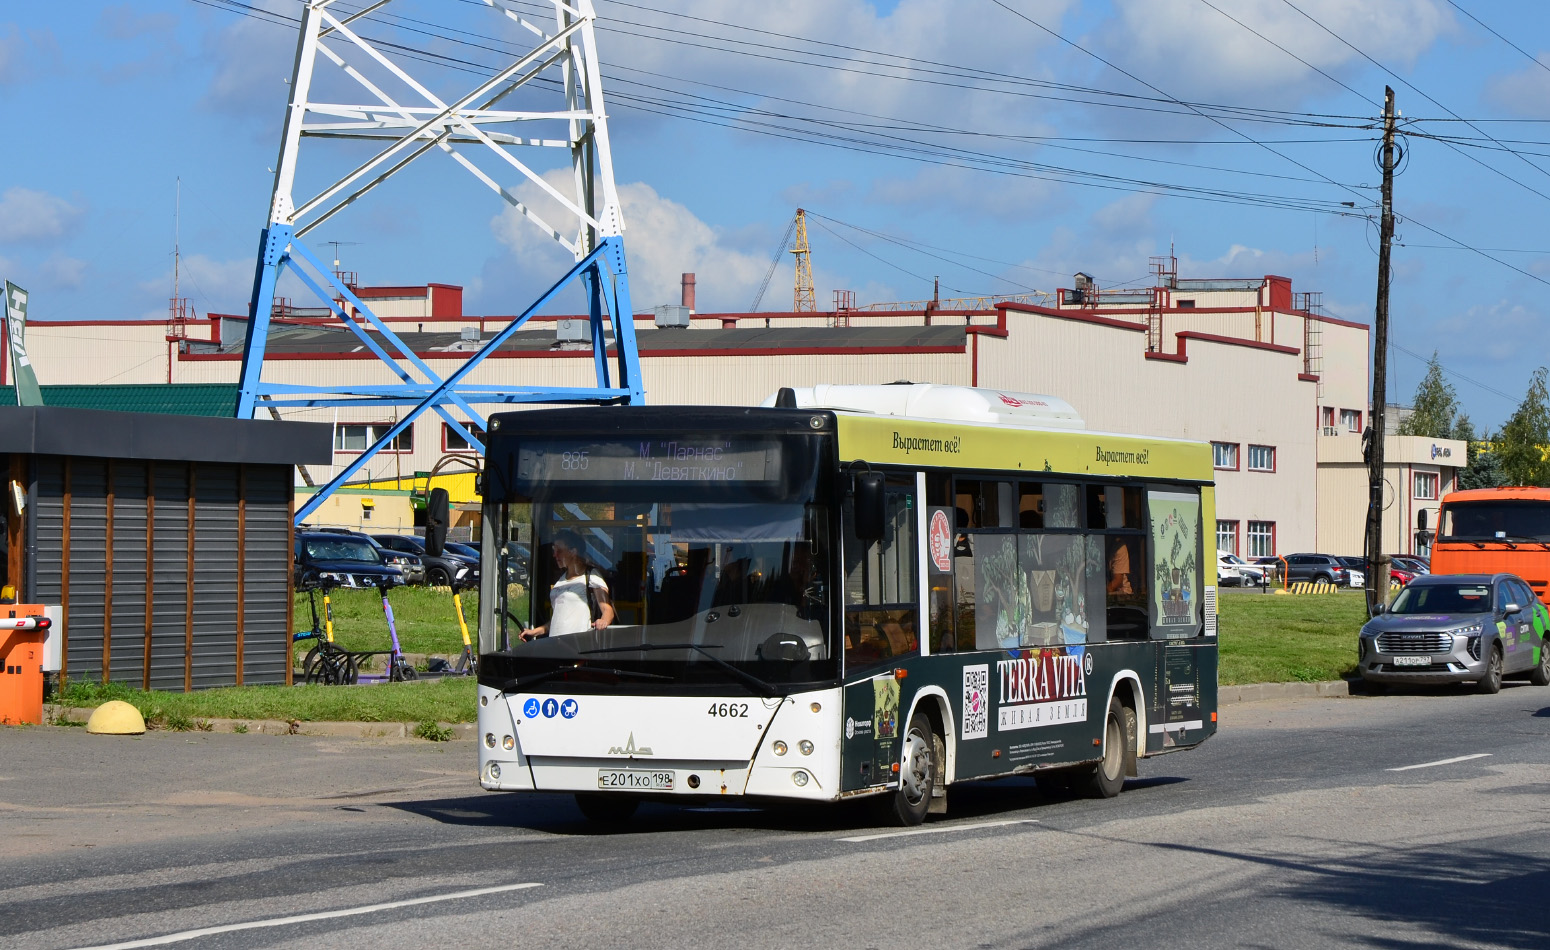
column 976, row 702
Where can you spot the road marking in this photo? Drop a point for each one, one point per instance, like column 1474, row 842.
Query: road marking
column 304, row 918
column 1427, row 765
column 941, row 829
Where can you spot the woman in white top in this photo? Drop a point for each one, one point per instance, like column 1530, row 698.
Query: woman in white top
column 569, row 598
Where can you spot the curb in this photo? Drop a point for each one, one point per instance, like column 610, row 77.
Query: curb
column 279, row 727
column 1259, row 692
column 1225, row 696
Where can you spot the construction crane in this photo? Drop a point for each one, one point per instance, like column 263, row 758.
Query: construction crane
column 780, row 253
column 803, row 299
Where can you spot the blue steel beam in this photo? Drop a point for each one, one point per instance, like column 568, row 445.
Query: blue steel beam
column 610, row 251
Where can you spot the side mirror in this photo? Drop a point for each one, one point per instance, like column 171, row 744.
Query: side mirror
column 438, row 515
column 870, row 505
column 1420, row 520
column 1379, row 608
column 1512, row 608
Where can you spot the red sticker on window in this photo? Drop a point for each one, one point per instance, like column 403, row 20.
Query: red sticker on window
column 940, row 541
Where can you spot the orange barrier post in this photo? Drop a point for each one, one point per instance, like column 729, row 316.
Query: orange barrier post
column 22, row 630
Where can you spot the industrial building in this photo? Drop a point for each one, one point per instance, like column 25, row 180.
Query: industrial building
column 1279, row 388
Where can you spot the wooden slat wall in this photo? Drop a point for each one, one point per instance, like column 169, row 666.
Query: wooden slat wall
column 173, row 575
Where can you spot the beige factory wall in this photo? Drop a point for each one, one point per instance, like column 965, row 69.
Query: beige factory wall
column 1343, row 376
column 1343, row 489
column 1103, row 372
column 102, row 353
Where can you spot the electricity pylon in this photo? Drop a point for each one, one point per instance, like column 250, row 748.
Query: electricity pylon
column 402, row 120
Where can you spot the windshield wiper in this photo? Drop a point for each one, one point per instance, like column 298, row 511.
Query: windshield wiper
column 512, row 685
column 763, row 688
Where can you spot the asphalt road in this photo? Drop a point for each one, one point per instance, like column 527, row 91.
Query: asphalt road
column 1289, row 829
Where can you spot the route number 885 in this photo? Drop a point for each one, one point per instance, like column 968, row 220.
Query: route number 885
column 574, row 461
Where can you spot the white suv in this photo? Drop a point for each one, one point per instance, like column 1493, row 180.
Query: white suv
column 1233, row 570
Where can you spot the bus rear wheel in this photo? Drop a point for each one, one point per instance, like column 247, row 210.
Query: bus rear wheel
column 908, row 804
column 607, row 809
column 1107, row 777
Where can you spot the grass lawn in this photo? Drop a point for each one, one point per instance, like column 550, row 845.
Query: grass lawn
column 1264, row 639
column 1285, row 639
column 447, row 700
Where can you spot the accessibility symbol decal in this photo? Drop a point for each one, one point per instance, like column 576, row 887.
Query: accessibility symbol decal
column 530, row 709
column 551, row 706
column 568, row 709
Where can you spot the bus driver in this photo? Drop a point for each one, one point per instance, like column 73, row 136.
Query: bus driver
column 572, row 597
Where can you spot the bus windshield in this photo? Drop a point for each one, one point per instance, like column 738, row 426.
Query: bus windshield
column 711, row 554
column 1495, row 521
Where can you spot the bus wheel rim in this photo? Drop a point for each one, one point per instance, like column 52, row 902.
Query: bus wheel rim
column 915, row 771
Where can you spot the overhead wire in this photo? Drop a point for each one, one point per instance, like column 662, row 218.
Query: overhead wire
column 714, row 112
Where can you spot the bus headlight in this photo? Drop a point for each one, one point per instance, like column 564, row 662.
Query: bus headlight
column 780, row 747
column 508, row 743
column 799, row 777
column 489, row 740
column 493, row 770
column 806, row 747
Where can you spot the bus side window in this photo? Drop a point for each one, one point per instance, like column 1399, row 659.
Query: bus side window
column 941, row 609
column 881, row 584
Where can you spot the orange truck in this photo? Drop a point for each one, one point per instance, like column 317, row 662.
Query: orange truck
column 1496, row 530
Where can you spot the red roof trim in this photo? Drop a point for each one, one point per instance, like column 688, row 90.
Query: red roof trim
column 587, row 354
column 1307, row 378
column 1234, row 341
column 1085, row 316
column 1178, row 357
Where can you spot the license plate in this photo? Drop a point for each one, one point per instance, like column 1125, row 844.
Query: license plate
column 634, row 779
column 1412, row 661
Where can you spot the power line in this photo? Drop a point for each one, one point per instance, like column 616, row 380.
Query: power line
column 1531, row 58
column 1285, row 50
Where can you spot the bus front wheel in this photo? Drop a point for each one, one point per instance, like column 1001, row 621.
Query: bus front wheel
column 908, row 804
column 1108, row 775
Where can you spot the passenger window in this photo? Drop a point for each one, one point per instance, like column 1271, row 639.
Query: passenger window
column 881, row 584
column 1125, row 586
column 1030, row 506
column 986, row 504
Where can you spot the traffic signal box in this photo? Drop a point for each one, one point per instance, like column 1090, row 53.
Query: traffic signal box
column 22, row 630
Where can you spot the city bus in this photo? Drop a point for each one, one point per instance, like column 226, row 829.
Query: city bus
column 852, row 591
column 1495, row 531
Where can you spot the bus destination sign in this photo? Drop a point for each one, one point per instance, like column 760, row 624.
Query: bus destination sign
column 674, row 461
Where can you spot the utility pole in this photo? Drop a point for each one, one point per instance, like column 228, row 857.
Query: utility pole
column 1377, row 560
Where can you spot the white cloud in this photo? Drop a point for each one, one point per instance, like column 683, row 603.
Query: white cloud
column 1191, row 50
column 28, row 215
column 62, row 272
column 10, row 53
column 252, row 62
column 663, row 240
column 1525, row 92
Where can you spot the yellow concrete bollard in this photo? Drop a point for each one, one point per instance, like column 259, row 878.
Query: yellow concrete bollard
column 116, row 718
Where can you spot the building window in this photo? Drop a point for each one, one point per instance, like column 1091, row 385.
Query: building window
column 1262, row 458
column 451, row 441
column 1262, row 538
column 1327, row 417
column 1227, row 536
column 1185, row 304
column 352, row 437
column 1426, row 485
column 1225, row 455
column 1351, row 420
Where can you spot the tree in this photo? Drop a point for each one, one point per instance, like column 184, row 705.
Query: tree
column 1520, row 445
column 1432, row 414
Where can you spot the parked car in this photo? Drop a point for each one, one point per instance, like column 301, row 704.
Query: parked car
column 1398, row 573
column 408, row 564
column 1234, row 571
column 1322, row 567
column 1458, row 628
column 439, row 571
column 350, row 560
column 1270, row 564
column 1411, row 563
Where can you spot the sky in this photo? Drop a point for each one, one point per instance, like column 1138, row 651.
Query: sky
column 997, row 145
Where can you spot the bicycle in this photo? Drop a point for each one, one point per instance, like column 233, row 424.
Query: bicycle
column 326, row 663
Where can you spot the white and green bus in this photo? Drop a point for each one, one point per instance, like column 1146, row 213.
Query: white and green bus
column 850, row 591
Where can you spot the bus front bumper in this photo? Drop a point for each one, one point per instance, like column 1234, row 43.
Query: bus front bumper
column 672, row 746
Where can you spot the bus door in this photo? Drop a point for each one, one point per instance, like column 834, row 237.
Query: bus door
column 1177, row 620
column 882, row 628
